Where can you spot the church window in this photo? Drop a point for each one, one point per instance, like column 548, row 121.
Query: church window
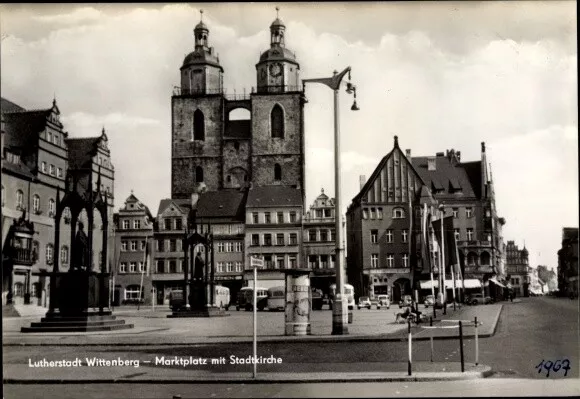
column 198, row 174
column 277, row 122
column 277, row 172
column 198, row 125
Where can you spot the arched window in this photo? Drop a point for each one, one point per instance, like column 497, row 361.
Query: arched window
column 198, row 125
column 277, row 122
column 19, row 199
column 198, row 174
column 277, row 172
column 64, row 255
column 3, row 195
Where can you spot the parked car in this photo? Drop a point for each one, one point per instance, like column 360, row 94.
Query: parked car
column 429, row 301
column 406, row 300
column 364, row 302
column 383, row 301
column 477, row 299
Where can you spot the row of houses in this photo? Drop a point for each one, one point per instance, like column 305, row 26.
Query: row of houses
column 266, row 222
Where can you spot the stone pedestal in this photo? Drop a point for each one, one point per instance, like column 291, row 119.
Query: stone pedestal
column 80, row 303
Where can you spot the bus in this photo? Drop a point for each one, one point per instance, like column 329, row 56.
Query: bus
column 221, row 298
column 348, row 292
column 276, row 298
column 246, row 298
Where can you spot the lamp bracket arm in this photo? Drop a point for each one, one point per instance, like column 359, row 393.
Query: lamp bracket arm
column 333, row 83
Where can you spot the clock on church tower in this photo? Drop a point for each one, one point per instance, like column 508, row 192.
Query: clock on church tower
column 277, row 70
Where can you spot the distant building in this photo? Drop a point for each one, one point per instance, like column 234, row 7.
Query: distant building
column 319, row 242
column 133, row 235
column 517, row 265
column 568, row 262
column 38, row 157
column 273, row 232
column 383, row 221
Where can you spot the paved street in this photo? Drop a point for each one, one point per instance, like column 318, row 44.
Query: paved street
column 529, row 331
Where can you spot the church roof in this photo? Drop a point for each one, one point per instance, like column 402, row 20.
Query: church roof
column 201, row 57
column 278, row 53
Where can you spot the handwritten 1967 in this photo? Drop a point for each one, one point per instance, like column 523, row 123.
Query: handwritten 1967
column 554, row 366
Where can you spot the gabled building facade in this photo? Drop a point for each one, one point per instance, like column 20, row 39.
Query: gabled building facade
column 517, row 268
column 319, row 242
column 167, row 262
column 133, row 248
column 38, row 157
column 384, row 221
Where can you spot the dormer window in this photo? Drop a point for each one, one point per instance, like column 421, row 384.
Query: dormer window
column 398, row 213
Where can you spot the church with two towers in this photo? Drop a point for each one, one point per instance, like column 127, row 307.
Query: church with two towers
column 222, row 153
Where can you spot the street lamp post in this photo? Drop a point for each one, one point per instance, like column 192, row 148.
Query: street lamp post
column 340, row 304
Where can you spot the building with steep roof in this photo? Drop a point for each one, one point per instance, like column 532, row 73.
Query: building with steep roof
column 209, row 145
column 167, row 259
column 517, row 268
column 384, row 233
column 319, row 242
column 133, row 253
column 39, row 161
column 224, row 211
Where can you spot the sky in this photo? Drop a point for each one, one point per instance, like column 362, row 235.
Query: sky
column 439, row 75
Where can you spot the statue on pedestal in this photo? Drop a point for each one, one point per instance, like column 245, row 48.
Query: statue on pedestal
column 198, row 267
column 80, row 250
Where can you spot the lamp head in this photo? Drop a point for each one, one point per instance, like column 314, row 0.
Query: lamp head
column 354, row 106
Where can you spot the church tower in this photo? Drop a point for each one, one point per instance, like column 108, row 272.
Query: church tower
column 197, row 122
column 277, row 115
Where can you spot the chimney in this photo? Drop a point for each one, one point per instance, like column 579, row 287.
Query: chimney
column 440, row 154
column 482, row 147
column 396, row 141
column 431, row 164
column 458, row 155
column 408, row 153
column 362, row 180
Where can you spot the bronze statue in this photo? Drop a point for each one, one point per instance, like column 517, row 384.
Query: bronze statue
column 198, row 267
column 80, row 250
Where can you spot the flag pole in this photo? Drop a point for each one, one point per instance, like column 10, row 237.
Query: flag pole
column 142, row 273
column 427, row 241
